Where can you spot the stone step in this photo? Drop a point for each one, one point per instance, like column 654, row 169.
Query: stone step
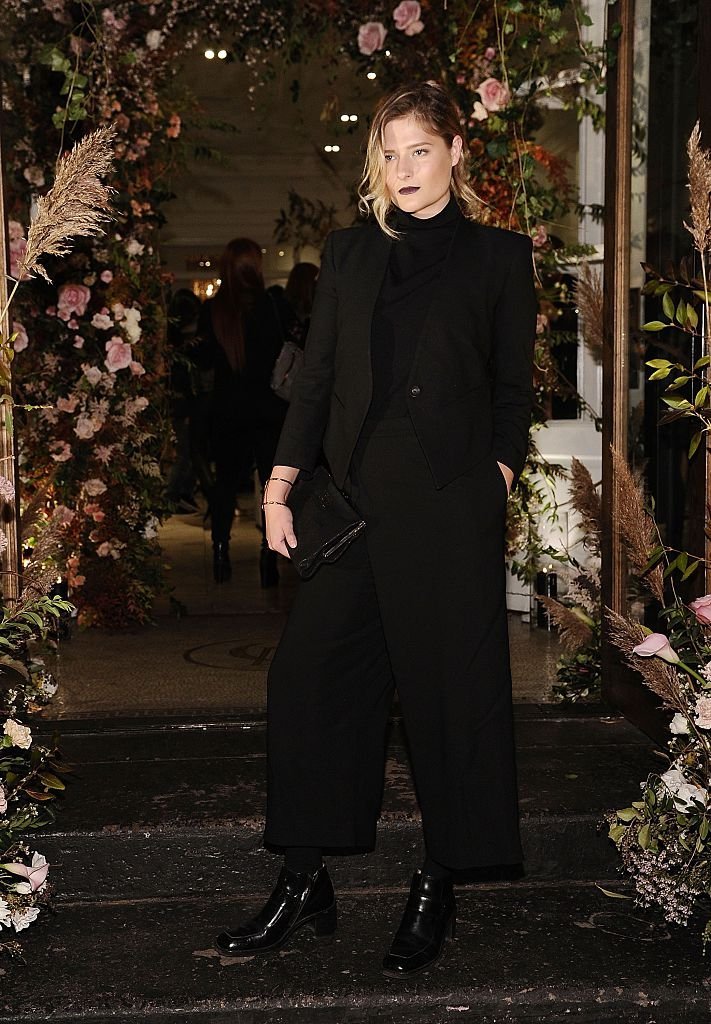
column 545, row 953
column 163, row 807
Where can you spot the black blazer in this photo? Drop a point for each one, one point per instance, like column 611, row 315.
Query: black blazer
column 470, row 391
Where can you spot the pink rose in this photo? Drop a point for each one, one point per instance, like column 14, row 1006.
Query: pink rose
column 72, row 298
column 494, row 95
column 107, row 276
column 406, row 14
column 703, row 712
column 540, row 237
column 407, row 18
column 21, row 340
column 701, row 608
column 479, row 112
column 78, row 341
column 489, row 53
column 18, row 248
column 137, row 370
column 35, row 875
column 60, row 451
column 95, row 511
column 67, row 404
column 656, row 644
column 101, row 321
column 371, row 37
column 174, row 125
column 118, row 355
column 63, row 516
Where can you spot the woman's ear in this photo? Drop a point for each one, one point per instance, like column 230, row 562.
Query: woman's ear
column 457, row 143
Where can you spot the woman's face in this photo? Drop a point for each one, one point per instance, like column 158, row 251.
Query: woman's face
column 418, row 166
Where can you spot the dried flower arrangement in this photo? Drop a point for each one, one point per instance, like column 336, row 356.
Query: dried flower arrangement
column 663, row 837
column 30, row 772
column 578, row 617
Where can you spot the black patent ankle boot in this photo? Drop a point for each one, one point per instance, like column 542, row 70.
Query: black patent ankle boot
column 429, row 920
column 298, row 899
column 221, row 567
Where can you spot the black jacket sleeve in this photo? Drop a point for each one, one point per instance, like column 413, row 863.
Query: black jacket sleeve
column 302, row 435
column 514, row 333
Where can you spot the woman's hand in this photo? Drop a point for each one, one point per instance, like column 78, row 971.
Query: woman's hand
column 280, row 528
column 278, row 518
column 508, row 475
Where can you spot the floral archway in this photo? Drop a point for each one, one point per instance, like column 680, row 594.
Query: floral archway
column 91, row 364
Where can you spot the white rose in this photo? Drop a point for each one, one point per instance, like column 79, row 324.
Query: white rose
column 24, row 918
column 679, row 725
column 102, row 321
column 5, row 915
column 94, row 487
column 19, row 734
column 685, row 794
column 134, row 247
column 153, row 39
column 130, row 324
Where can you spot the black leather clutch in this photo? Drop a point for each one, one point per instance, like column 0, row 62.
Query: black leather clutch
column 325, row 522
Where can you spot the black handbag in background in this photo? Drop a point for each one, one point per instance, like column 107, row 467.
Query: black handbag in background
column 325, row 522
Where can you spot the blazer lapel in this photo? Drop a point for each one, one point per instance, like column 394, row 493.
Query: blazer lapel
column 365, row 277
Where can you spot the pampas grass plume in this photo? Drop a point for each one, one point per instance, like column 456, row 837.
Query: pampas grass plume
column 77, row 204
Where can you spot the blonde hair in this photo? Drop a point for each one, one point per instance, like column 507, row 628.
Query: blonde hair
column 436, row 111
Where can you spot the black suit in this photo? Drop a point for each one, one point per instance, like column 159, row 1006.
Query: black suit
column 419, row 600
column 470, row 390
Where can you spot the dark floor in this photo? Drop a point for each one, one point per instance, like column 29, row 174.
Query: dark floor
column 159, row 846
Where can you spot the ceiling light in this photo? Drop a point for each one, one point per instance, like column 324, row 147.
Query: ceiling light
column 281, row 252
column 353, row 117
column 264, row 251
column 335, row 149
column 209, row 54
column 327, row 149
column 387, row 53
column 344, row 117
column 207, row 263
column 222, row 54
column 371, row 75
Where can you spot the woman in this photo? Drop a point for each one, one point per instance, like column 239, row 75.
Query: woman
column 299, row 294
column 417, row 384
column 241, row 336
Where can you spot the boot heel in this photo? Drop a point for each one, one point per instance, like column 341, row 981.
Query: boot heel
column 325, row 923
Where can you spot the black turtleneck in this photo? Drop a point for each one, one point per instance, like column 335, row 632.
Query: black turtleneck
column 416, row 262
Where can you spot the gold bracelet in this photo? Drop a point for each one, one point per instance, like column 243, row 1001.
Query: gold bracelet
column 275, row 503
column 280, row 479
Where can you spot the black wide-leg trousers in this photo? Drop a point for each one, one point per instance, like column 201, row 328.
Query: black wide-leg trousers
column 417, row 602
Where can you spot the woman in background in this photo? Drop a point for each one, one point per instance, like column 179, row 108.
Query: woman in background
column 241, row 336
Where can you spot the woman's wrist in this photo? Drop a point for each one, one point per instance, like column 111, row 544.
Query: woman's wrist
column 279, row 484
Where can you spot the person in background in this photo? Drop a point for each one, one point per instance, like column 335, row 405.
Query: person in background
column 241, row 335
column 183, row 316
column 299, row 294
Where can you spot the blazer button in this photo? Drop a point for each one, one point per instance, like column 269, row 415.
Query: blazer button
column 415, row 391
